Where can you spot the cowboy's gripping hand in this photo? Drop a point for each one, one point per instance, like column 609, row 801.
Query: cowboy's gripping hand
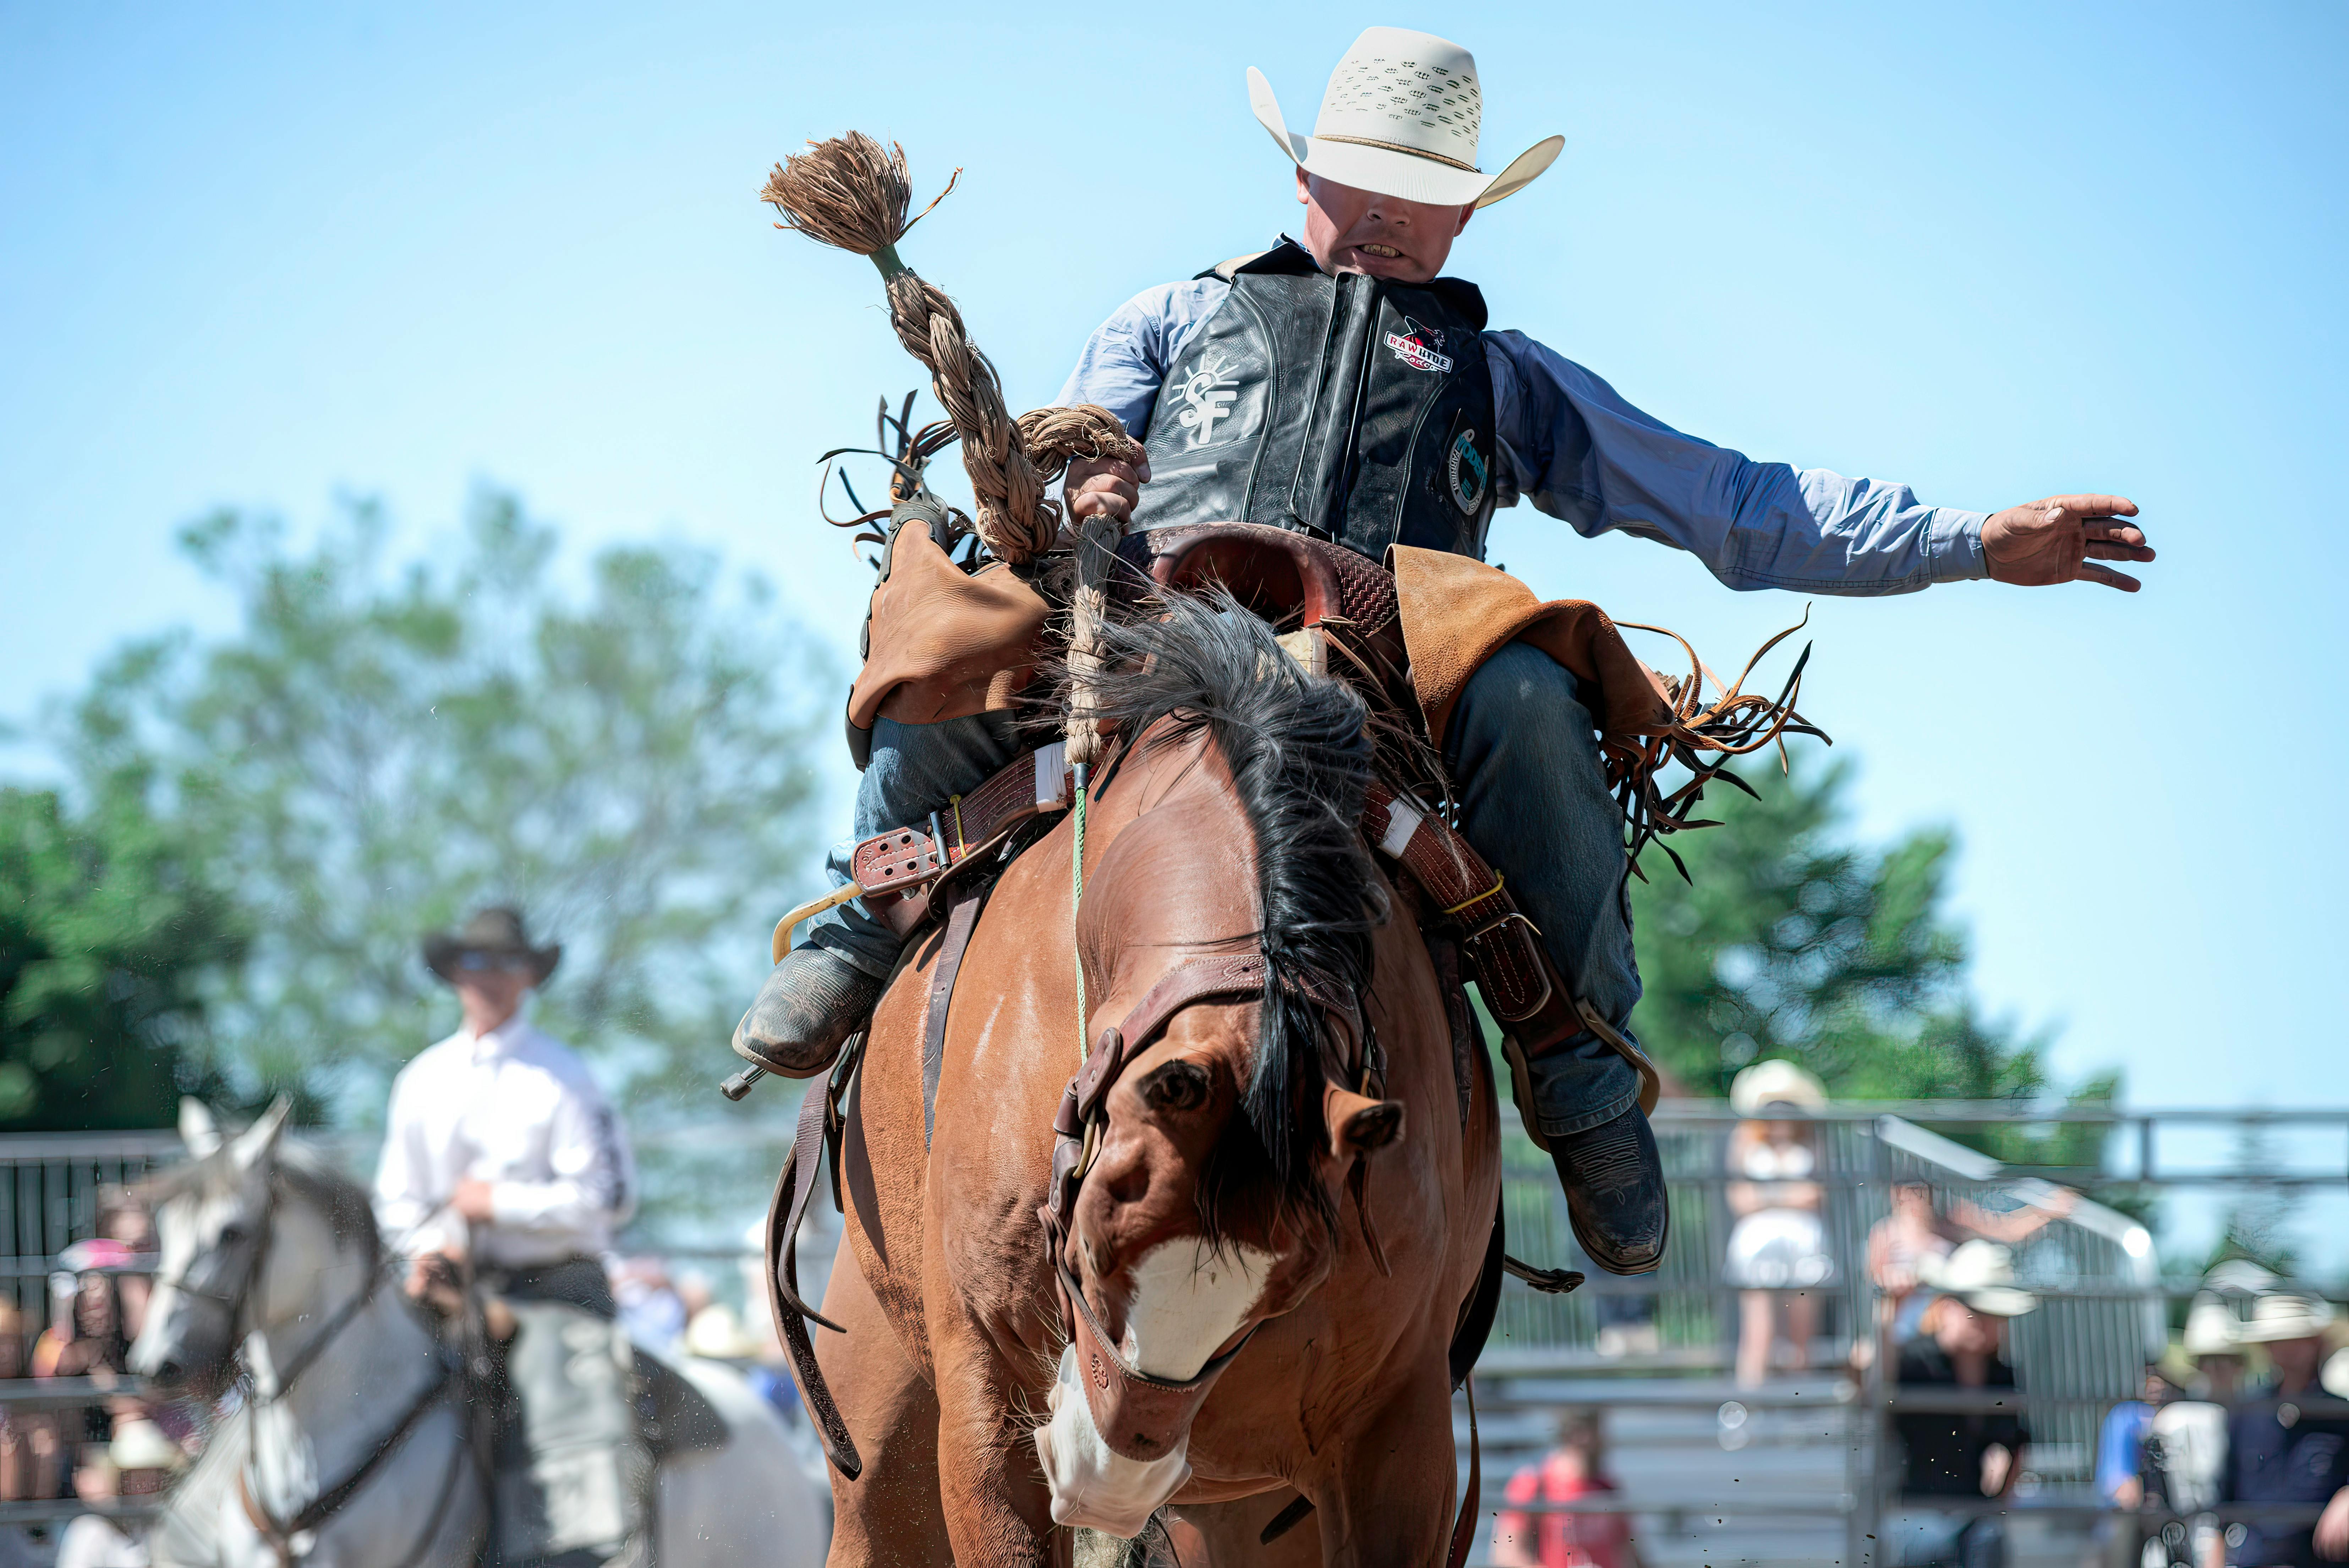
column 1099, row 486
column 2061, row 539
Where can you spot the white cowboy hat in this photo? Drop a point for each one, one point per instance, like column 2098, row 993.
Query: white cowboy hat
column 1401, row 118
column 140, row 1444
column 1775, row 1082
column 2285, row 1315
column 2209, row 1328
column 1981, row 1273
column 716, row 1334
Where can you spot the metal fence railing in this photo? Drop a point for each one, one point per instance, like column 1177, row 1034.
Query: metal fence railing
column 2105, row 1303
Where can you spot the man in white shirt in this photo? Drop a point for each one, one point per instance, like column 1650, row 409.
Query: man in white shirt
column 500, row 1149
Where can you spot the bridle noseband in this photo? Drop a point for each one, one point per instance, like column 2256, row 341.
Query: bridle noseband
column 1139, row 1416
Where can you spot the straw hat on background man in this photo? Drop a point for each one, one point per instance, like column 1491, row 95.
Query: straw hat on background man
column 1981, row 1275
column 2285, row 1315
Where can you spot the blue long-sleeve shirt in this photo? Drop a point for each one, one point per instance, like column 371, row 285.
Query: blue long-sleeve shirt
column 1577, row 451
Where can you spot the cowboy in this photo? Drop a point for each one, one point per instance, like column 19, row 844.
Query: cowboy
column 2278, row 1451
column 1338, row 386
column 501, row 1153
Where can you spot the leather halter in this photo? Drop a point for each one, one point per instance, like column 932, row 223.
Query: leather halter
column 1137, row 1415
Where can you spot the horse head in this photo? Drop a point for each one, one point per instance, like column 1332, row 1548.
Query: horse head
column 232, row 1259
column 1230, row 1086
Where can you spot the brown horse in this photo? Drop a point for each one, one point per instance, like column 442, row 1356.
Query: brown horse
column 1247, row 1225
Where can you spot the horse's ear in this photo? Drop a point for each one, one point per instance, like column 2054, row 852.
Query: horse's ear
column 256, row 1142
column 1358, row 1124
column 198, row 1130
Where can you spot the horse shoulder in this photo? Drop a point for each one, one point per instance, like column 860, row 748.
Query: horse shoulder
column 1011, row 1048
column 883, row 1179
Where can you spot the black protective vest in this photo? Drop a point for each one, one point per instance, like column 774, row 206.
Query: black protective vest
column 1352, row 408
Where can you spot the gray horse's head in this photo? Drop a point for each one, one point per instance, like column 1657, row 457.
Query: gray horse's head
column 213, row 1223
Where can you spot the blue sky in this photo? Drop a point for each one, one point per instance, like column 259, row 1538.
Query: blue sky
column 265, row 255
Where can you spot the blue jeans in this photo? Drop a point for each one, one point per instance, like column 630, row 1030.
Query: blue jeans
column 1523, row 753
column 915, row 768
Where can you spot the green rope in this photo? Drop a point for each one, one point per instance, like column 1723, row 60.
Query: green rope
column 1076, row 899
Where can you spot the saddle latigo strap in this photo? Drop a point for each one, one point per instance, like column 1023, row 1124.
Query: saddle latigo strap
column 898, row 869
column 1521, row 985
column 820, row 1123
column 1498, row 940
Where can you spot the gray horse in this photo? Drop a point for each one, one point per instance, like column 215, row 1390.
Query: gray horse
column 351, row 1447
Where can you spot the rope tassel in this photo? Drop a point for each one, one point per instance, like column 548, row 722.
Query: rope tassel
column 852, row 194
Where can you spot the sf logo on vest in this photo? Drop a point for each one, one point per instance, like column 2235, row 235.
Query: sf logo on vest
column 1207, row 394
column 1416, row 346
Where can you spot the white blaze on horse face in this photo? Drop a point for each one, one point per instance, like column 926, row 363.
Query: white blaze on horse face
column 1186, row 1301
column 1094, row 1488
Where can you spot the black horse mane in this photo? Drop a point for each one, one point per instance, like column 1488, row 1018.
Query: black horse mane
column 1299, row 751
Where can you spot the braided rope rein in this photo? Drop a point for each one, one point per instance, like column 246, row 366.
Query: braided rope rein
column 848, row 193
column 851, row 193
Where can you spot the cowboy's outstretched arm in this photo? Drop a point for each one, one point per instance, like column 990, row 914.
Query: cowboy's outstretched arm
column 1573, row 448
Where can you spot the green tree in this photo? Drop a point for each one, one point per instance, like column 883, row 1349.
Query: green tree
column 1791, row 939
column 380, row 748
column 107, row 934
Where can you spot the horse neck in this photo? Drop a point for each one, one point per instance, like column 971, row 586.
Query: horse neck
column 1175, row 856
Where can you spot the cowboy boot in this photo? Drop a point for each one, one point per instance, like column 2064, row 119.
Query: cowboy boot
column 1614, row 1182
column 813, row 1001
column 1612, row 1172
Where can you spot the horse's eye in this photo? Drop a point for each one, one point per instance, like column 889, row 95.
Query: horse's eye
column 1177, row 1086
column 230, row 1235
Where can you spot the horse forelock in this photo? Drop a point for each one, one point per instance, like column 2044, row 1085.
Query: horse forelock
column 1298, row 751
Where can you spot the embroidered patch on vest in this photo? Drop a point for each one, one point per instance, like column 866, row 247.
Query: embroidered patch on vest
column 1207, row 393
column 1465, row 466
column 1411, row 345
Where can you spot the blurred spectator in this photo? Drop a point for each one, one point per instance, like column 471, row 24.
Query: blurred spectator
column 137, row 1463
column 2133, row 1468
column 1778, row 1255
column 84, row 1339
column 2276, row 1452
column 122, row 1218
column 693, row 1294
column 2209, row 1340
column 1575, row 1468
column 716, row 1334
column 1961, row 1345
column 651, row 1311
column 1627, row 1325
column 1898, row 1244
column 2120, row 1443
column 27, row 1438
